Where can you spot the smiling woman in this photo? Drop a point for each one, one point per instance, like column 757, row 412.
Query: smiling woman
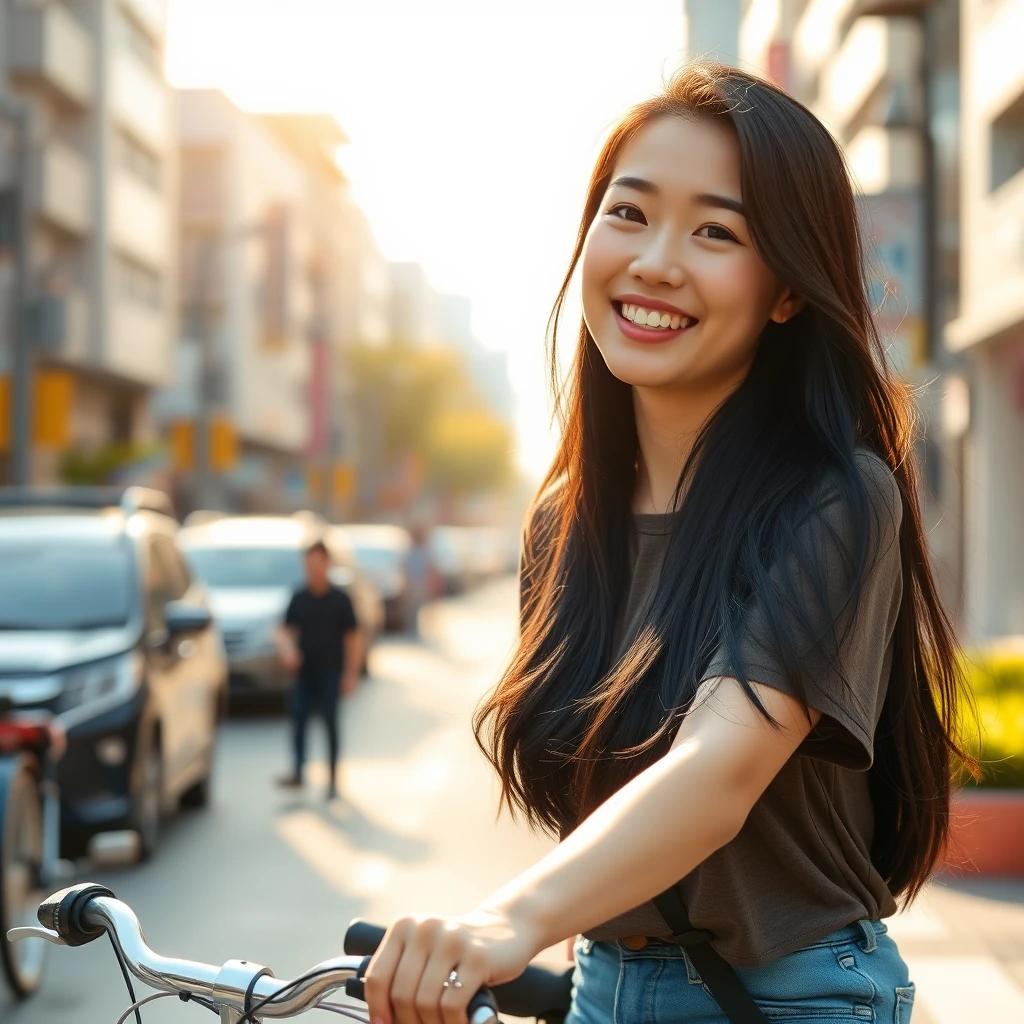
column 734, row 694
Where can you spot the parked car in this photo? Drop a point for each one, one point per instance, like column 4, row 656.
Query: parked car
column 252, row 566
column 102, row 624
column 379, row 550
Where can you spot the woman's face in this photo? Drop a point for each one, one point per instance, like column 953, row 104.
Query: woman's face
column 670, row 245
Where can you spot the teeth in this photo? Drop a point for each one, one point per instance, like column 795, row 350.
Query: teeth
column 655, row 318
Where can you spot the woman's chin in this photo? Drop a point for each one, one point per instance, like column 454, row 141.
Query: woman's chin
column 640, row 373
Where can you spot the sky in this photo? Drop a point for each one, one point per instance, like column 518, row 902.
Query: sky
column 473, row 128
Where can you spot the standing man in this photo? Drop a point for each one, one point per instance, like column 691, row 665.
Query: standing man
column 319, row 642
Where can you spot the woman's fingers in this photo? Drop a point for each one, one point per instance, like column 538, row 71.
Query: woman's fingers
column 435, row 1003
column 377, row 982
column 406, row 983
column 455, row 1000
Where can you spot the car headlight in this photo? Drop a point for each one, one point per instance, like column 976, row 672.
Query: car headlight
column 109, row 680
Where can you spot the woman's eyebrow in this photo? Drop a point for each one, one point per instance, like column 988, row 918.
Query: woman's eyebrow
column 701, row 199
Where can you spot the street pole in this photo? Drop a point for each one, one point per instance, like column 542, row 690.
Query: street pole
column 21, row 361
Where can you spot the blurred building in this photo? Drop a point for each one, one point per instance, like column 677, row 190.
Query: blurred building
column 487, row 368
column 102, row 193
column 278, row 277
column 985, row 409
column 415, row 306
column 712, row 29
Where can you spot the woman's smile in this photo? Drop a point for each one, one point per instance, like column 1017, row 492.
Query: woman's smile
column 647, row 325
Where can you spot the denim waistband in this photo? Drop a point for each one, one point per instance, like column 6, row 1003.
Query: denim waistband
column 864, row 932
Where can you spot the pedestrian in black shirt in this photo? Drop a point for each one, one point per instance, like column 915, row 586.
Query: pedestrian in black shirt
column 319, row 641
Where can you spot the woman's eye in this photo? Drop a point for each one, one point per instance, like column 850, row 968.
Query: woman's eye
column 614, row 212
column 726, row 235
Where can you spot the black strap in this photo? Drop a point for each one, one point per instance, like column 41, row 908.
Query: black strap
column 715, row 972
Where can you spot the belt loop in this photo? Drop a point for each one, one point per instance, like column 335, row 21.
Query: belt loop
column 870, row 943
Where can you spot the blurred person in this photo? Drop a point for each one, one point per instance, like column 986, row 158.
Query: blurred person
column 734, row 697
column 421, row 575
column 319, row 643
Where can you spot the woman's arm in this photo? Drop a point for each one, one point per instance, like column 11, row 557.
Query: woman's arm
column 663, row 823
column 647, row 836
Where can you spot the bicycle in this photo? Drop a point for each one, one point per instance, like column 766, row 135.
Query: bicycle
column 243, row 992
column 29, row 833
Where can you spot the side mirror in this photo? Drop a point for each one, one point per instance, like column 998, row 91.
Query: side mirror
column 181, row 617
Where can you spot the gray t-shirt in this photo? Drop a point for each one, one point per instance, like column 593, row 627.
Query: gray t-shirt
column 800, row 867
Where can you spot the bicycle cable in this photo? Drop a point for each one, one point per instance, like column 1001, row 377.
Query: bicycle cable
column 127, row 980
column 249, row 1016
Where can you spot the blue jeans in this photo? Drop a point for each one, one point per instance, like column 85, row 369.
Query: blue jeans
column 854, row 974
column 315, row 690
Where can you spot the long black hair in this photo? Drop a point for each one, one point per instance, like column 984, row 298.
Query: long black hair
column 561, row 726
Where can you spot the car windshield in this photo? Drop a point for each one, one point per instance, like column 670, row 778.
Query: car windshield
column 65, row 583
column 247, row 567
column 376, row 557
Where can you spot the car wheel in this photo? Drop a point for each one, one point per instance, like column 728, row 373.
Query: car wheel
column 21, row 857
column 147, row 796
column 199, row 793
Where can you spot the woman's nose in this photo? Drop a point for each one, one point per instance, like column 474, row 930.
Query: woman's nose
column 658, row 264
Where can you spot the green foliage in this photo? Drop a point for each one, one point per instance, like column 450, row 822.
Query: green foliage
column 468, row 452
column 423, row 402
column 997, row 681
column 102, row 465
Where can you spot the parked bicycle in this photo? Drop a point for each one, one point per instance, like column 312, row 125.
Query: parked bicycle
column 243, row 992
column 29, row 834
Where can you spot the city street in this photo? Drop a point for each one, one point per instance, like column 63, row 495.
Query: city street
column 273, row 877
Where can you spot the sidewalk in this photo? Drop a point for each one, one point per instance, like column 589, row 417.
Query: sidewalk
column 964, row 942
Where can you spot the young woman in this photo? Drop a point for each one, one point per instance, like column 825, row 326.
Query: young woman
column 734, row 675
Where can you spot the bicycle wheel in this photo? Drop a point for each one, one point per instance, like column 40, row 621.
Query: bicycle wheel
column 21, row 857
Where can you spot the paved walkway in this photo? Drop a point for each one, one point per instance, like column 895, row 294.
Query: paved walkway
column 964, row 942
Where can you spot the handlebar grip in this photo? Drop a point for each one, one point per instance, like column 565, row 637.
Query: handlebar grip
column 362, row 938
column 538, row 991
column 62, row 912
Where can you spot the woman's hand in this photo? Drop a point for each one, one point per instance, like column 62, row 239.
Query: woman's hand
column 405, row 979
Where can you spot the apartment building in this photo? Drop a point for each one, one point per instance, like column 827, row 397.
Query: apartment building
column 987, row 337
column 101, row 187
column 279, row 277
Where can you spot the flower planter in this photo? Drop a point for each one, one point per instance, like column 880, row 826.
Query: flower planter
column 986, row 835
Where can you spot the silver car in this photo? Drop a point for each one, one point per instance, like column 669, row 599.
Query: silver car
column 252, row 565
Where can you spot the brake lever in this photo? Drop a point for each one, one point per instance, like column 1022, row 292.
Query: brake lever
column 14, row 934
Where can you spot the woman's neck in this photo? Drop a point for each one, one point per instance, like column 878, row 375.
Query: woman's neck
column 667, row 424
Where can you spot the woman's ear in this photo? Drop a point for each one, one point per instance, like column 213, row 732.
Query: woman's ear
column 787, row 307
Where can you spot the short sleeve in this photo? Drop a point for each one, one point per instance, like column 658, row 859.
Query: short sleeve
column 840, row 649
column 291, row 615
column 346, row 613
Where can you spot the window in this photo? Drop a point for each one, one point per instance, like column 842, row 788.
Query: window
column 137, row 283
column 1007, row 144
column 137, row 159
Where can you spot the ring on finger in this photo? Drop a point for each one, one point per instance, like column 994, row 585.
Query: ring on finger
column 452, row 980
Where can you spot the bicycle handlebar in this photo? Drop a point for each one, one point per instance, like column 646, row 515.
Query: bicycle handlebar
column 537, row 992
column 83, row 912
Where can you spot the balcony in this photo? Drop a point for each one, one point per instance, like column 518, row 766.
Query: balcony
column 47, row 46
column 139, row 343
column 139, row 221
column 141, row 103
column 59, row 186
column 996, row 69
column 59, row 325
column 152, row 14
column 875, row 52
column 885, row 159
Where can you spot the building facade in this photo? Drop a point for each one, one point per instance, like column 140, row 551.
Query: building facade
column 101, row 186
column 280, row 276
column 986, row 413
